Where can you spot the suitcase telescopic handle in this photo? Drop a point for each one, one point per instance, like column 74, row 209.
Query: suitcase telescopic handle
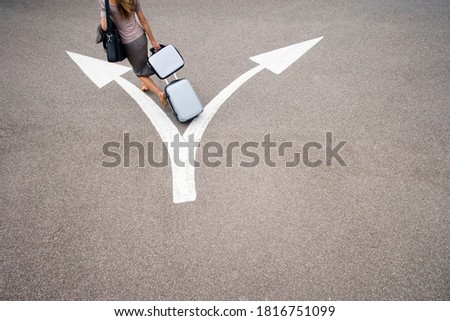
column 153, row 50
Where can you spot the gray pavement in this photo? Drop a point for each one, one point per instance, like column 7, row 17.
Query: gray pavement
column 377, row 229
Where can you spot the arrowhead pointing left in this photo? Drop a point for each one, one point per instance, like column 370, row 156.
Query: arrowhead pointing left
column 99, row 71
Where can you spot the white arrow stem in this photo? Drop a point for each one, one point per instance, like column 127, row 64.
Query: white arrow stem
column 183, row 177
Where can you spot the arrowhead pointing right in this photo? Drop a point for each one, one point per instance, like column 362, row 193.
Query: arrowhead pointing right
column 99, row 71
column 280, row 59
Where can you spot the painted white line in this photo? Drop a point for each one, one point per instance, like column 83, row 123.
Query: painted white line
column 183, row 178
column 101, row 73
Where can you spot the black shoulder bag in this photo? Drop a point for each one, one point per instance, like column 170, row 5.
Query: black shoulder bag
column 114, row 47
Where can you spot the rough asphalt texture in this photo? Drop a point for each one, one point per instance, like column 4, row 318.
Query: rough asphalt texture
column 377, row 229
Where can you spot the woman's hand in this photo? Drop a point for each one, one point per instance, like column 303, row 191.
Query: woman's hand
column 156, row 45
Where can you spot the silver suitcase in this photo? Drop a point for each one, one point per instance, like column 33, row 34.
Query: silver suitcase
column 181, row 95
column 184, row 101
column 166, row 61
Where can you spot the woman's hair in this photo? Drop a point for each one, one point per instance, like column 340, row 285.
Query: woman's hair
column 125, row 8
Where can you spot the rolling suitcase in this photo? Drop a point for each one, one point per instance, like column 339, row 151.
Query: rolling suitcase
column 181, row 95
column 184, row 101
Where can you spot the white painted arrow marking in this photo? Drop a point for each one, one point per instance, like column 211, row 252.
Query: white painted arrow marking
column 278, row 60
column 101, row 73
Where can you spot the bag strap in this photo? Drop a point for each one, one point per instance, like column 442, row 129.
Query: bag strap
column 108, row 17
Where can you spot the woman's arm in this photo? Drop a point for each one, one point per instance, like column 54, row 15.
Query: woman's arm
column 148, row 30
column 101, row 6
column 103, row 23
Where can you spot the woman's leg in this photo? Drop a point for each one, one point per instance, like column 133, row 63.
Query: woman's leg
column 150, row 85
column 143, row 86
column 136, row 52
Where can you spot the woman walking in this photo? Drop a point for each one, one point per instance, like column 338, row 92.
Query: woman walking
column 134, row 38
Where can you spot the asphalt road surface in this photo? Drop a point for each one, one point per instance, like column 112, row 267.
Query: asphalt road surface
column 376, row 229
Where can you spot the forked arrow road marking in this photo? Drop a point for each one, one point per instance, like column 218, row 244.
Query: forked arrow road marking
column 102, row 73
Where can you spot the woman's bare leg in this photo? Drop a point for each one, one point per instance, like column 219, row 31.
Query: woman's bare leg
column 143, row 86
column 150, row 85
